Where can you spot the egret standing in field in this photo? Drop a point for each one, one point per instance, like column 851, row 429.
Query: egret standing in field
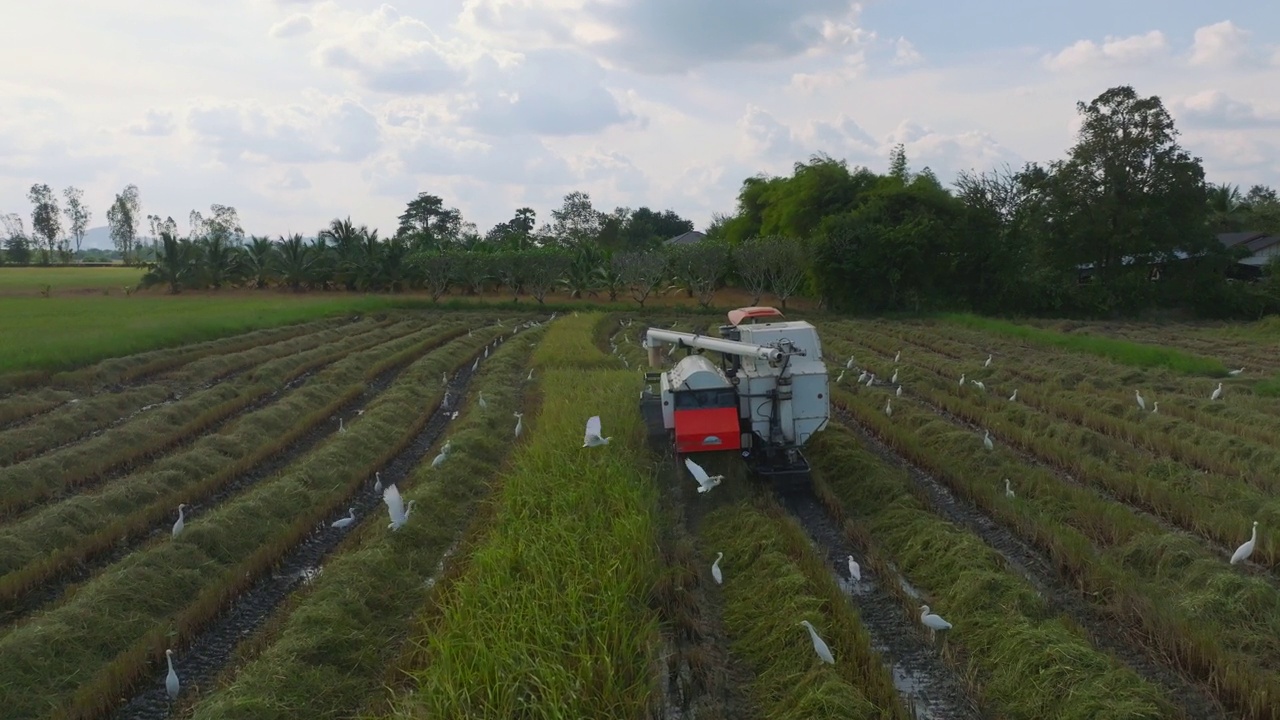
column 1014, row 396
column 519, row 423
column 894, row 380
column 986, row 441
column 1008, row 489
column 1243, row 552
column 593, row 437
column 931, row 621
column 1234, row 373
column 888, row 408
column 979, row 384
column 898, row 392
column 988, row 362
column 481, row 401
column 715, row 569
column 705, row 481
column 1216, row 393
column 897, row 356
column 871, row 380
column 342, row 427
column 961, row 381
column 840, row 377
column 530, row 377
column 182, row 521
column 439, row 459
column 1142, row 403
column 396, row 507
column 1155, row 408
column 849, row 365
column 377, row 482
column 344, row 522
column 819, row 646
column 855, row 570
column 171, row 684
column 862, row 377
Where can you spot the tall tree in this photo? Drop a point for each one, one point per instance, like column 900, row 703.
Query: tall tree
column 77, row 213
column 224, row 223
column 428, row 223
column 46, row 223
column 1128, row 194
column 16, row 247
column 122, row 218
column 898, row 168
column 577, row 221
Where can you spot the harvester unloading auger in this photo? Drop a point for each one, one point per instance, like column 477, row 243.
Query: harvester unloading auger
column 765, row 399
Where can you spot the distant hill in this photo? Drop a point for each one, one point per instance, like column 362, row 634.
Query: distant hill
column 98, row 237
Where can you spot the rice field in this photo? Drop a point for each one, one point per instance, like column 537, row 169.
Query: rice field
column 1082, row 557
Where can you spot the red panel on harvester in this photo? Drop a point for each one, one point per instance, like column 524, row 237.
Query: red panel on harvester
column 707, row 430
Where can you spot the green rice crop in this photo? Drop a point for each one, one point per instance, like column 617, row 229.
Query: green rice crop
column 1028, row 657
column 570, row 343
column 80, row 657
column 1121, row 351
column 330, row 650
column 551, row 618
column 770, row 585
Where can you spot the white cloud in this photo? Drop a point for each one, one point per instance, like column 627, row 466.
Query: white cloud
column 294, row 179
column 905, row 53
column 388, row 52
column 156, row 123
column 292, row 26
column 1214, row 108
column 338, row 130
column 1113, row 51
column 1220, row 44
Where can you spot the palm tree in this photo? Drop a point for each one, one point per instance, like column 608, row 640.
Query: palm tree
column 176, row 265
column 1225, row 207
column 258, row 259
column 295, row 259
column 345, row 237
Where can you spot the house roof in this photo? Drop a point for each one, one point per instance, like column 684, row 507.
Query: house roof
column 1259, row 244
column 1235, row 238
column 689, row 238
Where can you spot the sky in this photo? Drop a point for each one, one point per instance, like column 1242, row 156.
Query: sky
column 296, row 112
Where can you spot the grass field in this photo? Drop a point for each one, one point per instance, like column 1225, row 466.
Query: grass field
column 26, row 281
column 536, row 578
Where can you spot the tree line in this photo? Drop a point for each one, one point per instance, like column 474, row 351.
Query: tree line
column 1124, row 223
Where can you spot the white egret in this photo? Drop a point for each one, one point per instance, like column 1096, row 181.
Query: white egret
column 888, row 408
column 979, row 384
column 1155, row 408
column 715, row 569
column 475, row 365
column 849, row 365
column 898, row 392
column 593, row 437
column 961, row 381
column 1234, row 373
column 182, row 521
column 1014, row 396
column 820, row 647
column 855, row 570
column 448, row 445
column 481, row 402
column 1216, row 393
column 1008, row 490
column 1244, row 551
column 894, row 380
column 840, row 377
column 444, row 378
column 448, row 399
column 377, row 482
column 519, row 423
column 439, row 460
column 530, row 377
column 705, row 481
column 897, row 356
column 871, row 380
column 988, row 362
column 931, row 621
column 396, row 507
column 350, row 518
column 986, row 441
column 1142, row 403
column 486, row 351
column 862, row 377
column 171, row 684
column 341, row 426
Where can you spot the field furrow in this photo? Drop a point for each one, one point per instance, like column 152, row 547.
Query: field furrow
column 550, row 616
column 42, row 557
column 1009, row 585
column 168, row 594
column 132, row 368
column 1133, row 463
column 303, row 665
column 92, row 415
column 1216, row 624
column 126, row 447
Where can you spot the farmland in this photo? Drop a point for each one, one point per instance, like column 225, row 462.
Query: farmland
column 538, row 578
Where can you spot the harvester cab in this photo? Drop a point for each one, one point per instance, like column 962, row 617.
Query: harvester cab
column 763, row 393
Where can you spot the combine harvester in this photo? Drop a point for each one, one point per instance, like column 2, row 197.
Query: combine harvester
column 765, row 399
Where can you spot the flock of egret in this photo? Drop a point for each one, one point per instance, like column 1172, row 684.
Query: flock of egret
column 396, row 508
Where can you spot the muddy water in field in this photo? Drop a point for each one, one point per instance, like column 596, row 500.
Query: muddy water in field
column 199, row 664
column 1025, row 559
column 928, row 686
